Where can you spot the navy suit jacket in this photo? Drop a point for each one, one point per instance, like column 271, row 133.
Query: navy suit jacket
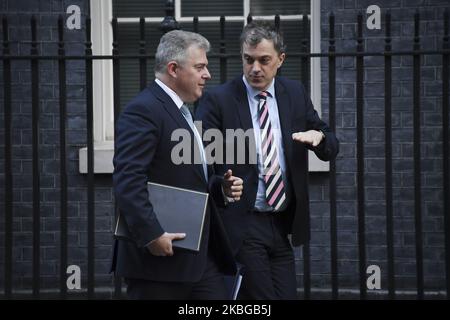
column 226, row 107
column 143, row 149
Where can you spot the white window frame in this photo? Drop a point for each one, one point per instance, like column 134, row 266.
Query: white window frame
column 101, row 33
column 103, row 93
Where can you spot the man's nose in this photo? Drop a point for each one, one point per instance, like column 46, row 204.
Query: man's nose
column 256, row 67
column 206, row 75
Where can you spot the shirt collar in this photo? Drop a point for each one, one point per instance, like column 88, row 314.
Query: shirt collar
column 252, row 92
column 172, row 94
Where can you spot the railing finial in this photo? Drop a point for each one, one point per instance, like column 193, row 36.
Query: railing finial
column 169, row 23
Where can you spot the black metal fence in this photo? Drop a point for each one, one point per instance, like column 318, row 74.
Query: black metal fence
column 417, row 52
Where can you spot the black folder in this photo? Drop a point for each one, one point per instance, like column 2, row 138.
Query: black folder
column 177, row 210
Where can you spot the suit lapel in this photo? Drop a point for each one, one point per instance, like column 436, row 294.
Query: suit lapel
column 284, row 112
column 169, row 106
column 242, row 106
column 245, row 116
column 178, row 117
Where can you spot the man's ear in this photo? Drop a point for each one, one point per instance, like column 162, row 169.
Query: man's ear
column 172, row 68
column 282, row 56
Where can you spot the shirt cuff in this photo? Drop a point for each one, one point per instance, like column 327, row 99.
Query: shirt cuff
column 323, row 135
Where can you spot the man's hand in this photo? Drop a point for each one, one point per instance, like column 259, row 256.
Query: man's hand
column 162, row 246
column 311, row 137
column 232, row 186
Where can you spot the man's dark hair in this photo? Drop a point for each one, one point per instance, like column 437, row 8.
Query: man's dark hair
column 256, row 31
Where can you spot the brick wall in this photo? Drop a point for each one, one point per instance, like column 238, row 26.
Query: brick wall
column 402, row 29
column 18, row 13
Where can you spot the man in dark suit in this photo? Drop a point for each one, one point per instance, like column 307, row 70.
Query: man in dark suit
column 284, row 125
column 152, row 268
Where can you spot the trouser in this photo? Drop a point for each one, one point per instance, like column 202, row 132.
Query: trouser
column 268, row 258
column 210, row 287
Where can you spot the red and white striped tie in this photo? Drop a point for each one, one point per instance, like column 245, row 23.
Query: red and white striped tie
column 275, row 191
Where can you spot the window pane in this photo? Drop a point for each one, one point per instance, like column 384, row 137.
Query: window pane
column 293, row 36
column 129, row 44
column 212, row 32
column 286, row 7
column 128, row 39
column 138, row 8
column 192, row 8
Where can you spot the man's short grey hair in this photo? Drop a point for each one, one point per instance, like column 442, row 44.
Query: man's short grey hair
column 256, row 31
column 173, row 46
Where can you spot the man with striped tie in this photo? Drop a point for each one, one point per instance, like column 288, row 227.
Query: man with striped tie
column 284, row 126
